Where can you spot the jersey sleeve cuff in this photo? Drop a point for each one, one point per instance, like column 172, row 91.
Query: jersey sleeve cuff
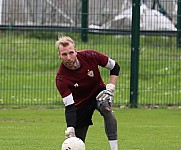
column 68, row 100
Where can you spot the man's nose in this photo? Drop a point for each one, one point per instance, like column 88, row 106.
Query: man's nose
column 68, row 57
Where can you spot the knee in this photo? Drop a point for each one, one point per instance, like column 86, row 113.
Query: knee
column 105, row 109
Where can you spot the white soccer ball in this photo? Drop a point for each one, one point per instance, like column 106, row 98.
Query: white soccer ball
column 73, row 143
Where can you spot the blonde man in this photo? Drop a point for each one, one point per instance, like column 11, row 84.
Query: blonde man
column 82, row 89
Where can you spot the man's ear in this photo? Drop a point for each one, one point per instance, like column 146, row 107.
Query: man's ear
column 76, row 51
column 59, row 54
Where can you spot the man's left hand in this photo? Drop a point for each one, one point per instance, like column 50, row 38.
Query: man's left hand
column 105, row 95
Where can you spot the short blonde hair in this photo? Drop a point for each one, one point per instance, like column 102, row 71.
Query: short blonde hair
column 64, row 41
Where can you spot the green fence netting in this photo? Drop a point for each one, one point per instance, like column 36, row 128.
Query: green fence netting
column 29, row 62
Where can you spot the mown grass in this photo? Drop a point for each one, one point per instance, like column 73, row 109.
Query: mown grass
column 140, row 129
column 29, row 63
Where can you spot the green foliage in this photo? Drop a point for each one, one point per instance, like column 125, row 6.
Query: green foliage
column 43, row 129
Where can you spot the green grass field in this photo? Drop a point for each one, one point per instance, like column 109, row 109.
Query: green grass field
column 43, row 129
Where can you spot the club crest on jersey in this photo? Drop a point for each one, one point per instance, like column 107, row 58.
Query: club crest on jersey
column 90, row 73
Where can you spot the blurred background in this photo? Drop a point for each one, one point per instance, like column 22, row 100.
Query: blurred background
column 143, row 36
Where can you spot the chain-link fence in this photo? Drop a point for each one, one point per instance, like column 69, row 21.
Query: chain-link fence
column 28, row 58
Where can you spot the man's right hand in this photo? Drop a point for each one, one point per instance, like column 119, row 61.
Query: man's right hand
column 70, row 132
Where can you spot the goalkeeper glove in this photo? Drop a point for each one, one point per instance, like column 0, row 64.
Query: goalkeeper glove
column 107, row 94
column 70, row 132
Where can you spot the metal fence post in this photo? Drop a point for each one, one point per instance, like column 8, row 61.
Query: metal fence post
column 84, row 21
column 135, row 41
column 179, row 24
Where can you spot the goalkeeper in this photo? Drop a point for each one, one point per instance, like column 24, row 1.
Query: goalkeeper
column 82, row 89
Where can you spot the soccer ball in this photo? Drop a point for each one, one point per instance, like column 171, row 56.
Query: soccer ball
column 73, row 143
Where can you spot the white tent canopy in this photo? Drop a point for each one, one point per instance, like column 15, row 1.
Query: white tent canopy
column 149, row 20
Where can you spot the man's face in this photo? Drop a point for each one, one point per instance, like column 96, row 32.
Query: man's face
column 68, row 55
